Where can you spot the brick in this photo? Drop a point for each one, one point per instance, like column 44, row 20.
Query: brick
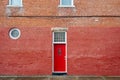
column 82, row 7
column 93, row 34
column 95, row 51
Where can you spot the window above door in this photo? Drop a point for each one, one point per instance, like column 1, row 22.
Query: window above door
column 66, row 3
column 59, row 37
column 15, row 3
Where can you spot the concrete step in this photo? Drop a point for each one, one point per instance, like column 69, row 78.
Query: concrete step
column 58, row 78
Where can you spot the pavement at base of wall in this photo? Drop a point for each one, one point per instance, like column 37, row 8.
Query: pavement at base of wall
column 59, row 77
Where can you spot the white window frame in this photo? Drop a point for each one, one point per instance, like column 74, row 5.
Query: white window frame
column 60, row 42
column 10, row 33
column 11, row 5
column 72, row 5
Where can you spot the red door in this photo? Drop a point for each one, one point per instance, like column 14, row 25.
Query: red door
column 59, row 58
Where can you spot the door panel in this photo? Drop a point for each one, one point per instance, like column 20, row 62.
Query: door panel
column 59, row 58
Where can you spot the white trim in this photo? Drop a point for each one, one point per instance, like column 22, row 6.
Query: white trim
column 66, row 6
column 52, row 52
column 11, row 34
column 10, row 2
column 59, row 42
column 66, row 50
column 53, row 43
column 61, row 5
column 14, row 6
column 59, row 29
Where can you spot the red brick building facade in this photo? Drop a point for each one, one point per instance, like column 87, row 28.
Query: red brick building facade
column 92, row 37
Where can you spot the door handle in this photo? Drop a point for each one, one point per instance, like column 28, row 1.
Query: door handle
column 59, row 52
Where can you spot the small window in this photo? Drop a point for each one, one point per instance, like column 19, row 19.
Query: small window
column 15, row 3
column 59, row 37
column 66, row 3
column 14, row 33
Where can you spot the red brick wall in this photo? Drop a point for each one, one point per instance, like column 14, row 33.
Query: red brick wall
column 82, row 8
column 93, row 30
column 29, row 55
column 60, row 22
column 91, row 51
column 94, row 51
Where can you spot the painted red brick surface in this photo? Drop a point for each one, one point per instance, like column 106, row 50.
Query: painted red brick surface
column 93, row 37
column 29, row 55
column 91, row 51
column 94, row 51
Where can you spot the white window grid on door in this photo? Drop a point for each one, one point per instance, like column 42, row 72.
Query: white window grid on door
column 59, row 37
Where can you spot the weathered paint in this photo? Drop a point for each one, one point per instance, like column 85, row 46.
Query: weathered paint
column 50, row 8
column 94, row 51
column 29, row 55
column 91, row 51
column 93, row 37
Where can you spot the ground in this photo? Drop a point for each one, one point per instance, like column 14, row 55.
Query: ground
column 58, row 78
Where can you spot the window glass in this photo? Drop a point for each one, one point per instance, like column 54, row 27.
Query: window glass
column 59, row 36
column 15, row 2
column 14, row 33
column 66, row 2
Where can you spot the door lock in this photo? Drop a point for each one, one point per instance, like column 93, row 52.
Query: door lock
column 59, row 51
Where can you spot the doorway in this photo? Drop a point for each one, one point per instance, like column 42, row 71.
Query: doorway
column 59, row 53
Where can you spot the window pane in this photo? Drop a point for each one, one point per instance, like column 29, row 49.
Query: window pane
column 66, row 2
column 16, row 2
column 59, row 36
column 15, row 33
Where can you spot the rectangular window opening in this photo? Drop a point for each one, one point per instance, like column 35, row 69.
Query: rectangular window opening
column 59, row 37
column 66, row 3
column 15, row 3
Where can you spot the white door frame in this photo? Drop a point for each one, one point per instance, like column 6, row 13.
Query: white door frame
column 53, row 43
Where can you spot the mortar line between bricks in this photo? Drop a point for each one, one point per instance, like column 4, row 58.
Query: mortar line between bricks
column 102, row 16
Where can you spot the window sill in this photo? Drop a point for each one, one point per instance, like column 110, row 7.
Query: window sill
column 66, row 6
column 14, row 5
